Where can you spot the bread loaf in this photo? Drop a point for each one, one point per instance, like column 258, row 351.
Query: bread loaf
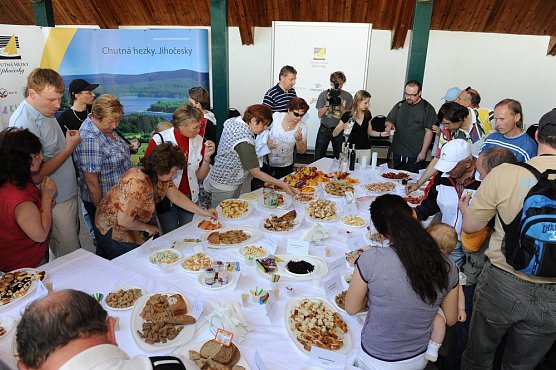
column 177, row 305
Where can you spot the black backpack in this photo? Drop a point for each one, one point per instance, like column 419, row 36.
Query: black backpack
column 530, row 241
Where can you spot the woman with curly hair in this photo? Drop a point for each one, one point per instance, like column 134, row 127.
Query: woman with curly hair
column 124, row 214
column 25, row 210
column 403, row 284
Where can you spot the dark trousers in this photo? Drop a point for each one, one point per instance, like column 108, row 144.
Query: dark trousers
column 407, row 163
column 324, row 137
column 109, row 248
column 508, row 305
column 276, row 172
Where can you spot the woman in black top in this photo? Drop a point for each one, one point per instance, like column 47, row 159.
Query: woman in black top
column 356, row 123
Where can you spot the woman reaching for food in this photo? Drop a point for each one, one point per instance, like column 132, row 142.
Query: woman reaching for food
column 403, row 296
column 124, row 214
column 236, row 157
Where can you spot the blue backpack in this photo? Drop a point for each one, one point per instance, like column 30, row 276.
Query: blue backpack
column 530, row 241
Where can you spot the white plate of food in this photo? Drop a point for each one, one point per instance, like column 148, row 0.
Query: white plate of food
column 397, row 175
column 302, row 267
column 281, row 222
column 375, row 237
column 209, row 224
column 165, row 257
column 322, row 211
column 255, row 251
column 252, row 196
column 381, row 187
column 184, row 243
column 354, row 221
column 415, row 198
column 234, row 209
column 123, row 298
column 338, row 188
column 7, row 323
column 17, row 284
column 298, row 317
column 196, row 263
column 284, row 201
column 232, row 277
column 340, row 303
column 201, row 351
column 352, row 256
column 232, row 236
column 279, row 266
column 303, row 197
column 163, row 308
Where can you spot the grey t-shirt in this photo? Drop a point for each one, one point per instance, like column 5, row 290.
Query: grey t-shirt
column 333, row 115
column 411, row 122
column 399, row 323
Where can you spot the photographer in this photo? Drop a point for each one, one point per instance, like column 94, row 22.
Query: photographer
column 331, row 105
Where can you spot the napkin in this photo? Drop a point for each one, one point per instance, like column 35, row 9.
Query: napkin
column 315, row 233
column 229, row 313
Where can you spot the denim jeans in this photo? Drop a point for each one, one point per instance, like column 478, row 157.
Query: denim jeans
column 526, row 311
column 173, row 219
column 324, row 137
column 110, row 248
column 461, row 336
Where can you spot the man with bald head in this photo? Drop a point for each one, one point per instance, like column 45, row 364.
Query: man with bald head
column 69, row 329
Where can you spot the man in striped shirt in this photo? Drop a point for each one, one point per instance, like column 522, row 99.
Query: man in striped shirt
column 278, row 96
column 508, row 116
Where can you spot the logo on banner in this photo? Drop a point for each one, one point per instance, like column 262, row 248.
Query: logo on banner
column 9, row 46
column 319, row 53
column 3, row 93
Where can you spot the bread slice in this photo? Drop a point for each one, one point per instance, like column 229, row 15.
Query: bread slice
column 177, row 305
column 236, row 356
column 225, row 354
column 210, row 349
column 214, row 237
column 290, row 216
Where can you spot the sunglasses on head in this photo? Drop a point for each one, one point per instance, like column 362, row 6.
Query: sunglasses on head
column 298, row 114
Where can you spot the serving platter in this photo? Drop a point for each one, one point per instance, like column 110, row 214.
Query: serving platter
column 107, row 306
column 296, row 222
column 240, row 216
column 24, row 280
column 253, row 233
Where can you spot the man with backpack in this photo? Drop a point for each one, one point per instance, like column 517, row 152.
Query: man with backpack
column 412, row 120
column 516, row 292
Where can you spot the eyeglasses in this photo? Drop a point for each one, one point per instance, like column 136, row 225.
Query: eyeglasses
column 298, row 114
column 411, row 95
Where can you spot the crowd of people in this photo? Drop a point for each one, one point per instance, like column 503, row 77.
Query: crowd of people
column 455, row 272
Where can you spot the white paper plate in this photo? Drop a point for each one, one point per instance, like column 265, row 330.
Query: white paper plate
column 338, row 211
column 231, row 281
column 321, row 268
column 137, row 324
column 209, row 231
column 291, row 305
column 287, row 202
column 8, row 323
column 393, row 182
column 252, row 196
column 122, row 288
column 416, row 194
column 410, row 175
column 243, row 253
column 184, row 243
column 160, row 264
column 297, row 222
column 31, row 289
column 352, row 226
column 254, row 234
column 338, row 308
column 241, row 217
column 193, row 271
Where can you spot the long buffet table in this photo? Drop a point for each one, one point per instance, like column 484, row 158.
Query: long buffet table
column 268, row 336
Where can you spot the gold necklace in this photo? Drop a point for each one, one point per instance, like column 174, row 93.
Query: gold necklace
column 76, row 116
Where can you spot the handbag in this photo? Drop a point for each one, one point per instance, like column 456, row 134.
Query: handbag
column 165, row 204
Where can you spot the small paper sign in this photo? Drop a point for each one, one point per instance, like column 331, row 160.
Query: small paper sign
column 223, row 337
column 298, row 246
column 338, row 265
column 356, row 242
column 258, row 363
column 198, row 248
column 197, row 308
column 41, row 290
column 327, row 359
column 351, row 208
column 332, row 284
column 272, row 244
column 272, row 312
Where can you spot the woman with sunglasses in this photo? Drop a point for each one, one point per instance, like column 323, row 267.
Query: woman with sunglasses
column 356, row 123
column 287, row 133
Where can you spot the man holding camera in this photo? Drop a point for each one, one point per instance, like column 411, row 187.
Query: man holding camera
column 331, row 104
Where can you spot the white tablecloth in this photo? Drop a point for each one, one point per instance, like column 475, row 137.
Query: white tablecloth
column 87, row 272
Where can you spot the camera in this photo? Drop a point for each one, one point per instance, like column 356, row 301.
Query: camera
column 334, row 95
